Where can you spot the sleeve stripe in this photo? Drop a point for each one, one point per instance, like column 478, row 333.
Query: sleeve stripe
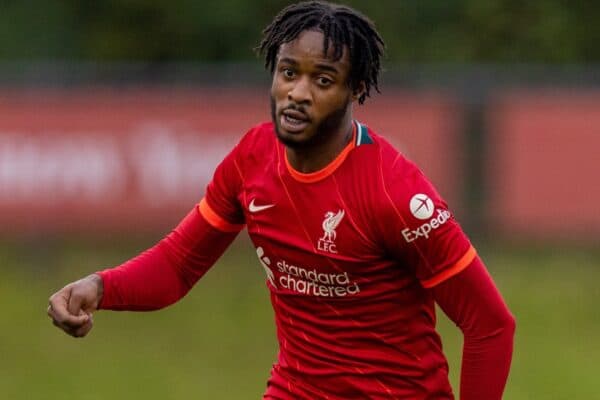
column 460, row 265
column 215, row 219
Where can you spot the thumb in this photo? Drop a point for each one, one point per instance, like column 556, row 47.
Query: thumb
column 85, row 296
column 76, row 307
column 60, row 308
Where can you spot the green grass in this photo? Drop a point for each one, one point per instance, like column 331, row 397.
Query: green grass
column 219, row 342
column 554, row 294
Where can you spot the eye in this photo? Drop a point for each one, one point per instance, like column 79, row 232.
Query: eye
column 288, row 73
column 324, row 81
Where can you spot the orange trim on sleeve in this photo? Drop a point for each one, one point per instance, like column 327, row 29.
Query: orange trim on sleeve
column 215, row 219
column 460, row 265
column 329, row 168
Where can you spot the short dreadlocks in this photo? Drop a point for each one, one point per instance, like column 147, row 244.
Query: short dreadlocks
column 341, row 26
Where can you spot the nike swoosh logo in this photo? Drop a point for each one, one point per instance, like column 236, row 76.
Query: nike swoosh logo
column 255, row 208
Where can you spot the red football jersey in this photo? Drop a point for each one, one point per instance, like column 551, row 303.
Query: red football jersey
column 348, row 252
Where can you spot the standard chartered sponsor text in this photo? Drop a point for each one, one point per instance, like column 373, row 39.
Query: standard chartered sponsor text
column 311, row 282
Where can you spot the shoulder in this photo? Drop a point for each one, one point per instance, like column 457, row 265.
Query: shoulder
column 370, row 144
column 397, row 170
column 260, row 135
column 401, row 181
column 393, row 167
column 258, row 142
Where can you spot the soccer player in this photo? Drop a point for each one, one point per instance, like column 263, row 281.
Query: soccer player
column 356, row 244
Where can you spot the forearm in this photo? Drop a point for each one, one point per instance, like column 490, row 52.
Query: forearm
column 473, row 302
column 147, row 282
column 486, row 362
column 166, row 272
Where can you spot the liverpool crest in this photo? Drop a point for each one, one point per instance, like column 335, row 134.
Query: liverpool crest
column 330, row 223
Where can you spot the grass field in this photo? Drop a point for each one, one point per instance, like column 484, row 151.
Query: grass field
column 219, row 342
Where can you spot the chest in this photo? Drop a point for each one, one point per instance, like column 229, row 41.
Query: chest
column 312, row 232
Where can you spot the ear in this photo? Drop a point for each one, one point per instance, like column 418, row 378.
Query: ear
column 359, row 91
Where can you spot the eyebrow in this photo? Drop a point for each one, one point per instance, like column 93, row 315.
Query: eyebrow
column 321, row 66
column 327, row 67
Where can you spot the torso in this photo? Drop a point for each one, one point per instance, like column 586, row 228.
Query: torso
column 352, row 319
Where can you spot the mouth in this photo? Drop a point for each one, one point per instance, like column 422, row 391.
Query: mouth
column 293, row 121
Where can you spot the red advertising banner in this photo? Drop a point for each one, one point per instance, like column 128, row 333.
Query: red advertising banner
column 545, row 165
column 138, row 160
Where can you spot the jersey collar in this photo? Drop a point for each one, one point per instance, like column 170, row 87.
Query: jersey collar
column 359, row 136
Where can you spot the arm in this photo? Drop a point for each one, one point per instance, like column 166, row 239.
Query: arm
column 428, row 238
column 473, row 302
column 156, row 278
column 165, row 273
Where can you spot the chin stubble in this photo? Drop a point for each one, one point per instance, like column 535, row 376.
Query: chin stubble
column 322, row 131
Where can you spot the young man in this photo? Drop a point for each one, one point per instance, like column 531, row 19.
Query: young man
column 356, row 243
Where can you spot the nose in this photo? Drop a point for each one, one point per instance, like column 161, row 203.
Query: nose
column 300, row 91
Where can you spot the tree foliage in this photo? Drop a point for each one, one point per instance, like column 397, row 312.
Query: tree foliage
column 416, row 31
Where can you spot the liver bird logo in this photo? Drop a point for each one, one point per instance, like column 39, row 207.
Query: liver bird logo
column 331, row 221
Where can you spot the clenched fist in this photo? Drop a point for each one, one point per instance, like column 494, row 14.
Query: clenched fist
column 71, row 307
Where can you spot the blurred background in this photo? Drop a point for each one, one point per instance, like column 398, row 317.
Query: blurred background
column 113, row 115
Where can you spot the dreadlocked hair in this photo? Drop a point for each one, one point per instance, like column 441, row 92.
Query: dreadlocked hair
column 341, row 26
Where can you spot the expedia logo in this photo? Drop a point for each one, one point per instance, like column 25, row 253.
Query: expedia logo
column 421, row 206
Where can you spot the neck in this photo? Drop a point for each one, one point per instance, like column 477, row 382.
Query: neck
column 317, row 156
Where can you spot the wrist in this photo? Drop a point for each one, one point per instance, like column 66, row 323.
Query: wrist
column 98, row 282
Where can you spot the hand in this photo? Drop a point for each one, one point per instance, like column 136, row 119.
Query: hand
column 71, row 307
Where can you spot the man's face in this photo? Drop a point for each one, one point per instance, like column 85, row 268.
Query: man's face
column 310, row 95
